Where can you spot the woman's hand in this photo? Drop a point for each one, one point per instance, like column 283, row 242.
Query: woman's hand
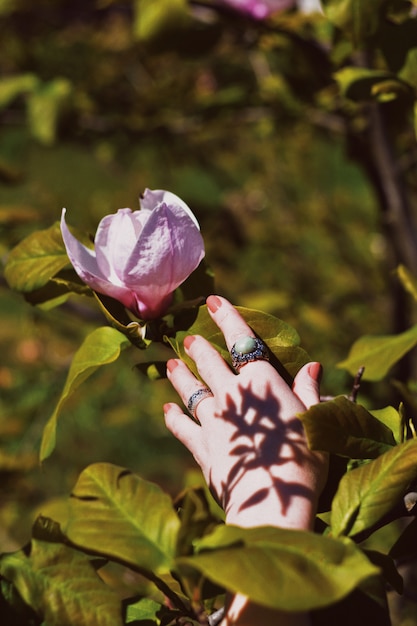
column 250, row 444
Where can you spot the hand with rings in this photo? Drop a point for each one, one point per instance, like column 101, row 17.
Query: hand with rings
column 245, row 435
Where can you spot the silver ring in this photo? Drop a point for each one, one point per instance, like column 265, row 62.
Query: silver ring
column 248, row 349
column 196, row 397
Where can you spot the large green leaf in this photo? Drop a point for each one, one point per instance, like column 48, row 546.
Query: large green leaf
column 282, row 340
column 379, row 353
column 284, row 569
column 100, row 347
column 60, row 584
column 346, row 428
column 36, row 259
column 116, row 514
column 370, row 491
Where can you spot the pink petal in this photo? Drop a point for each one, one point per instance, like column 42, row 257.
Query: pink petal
column 151, row 198
column 85, row 264
column 169, row 248
column 115, row 240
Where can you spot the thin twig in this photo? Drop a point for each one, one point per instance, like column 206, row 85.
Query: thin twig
column 356, row 385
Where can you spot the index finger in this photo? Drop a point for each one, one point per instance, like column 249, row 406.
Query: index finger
column 230, row 322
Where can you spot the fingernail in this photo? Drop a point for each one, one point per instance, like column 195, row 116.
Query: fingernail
column 315, row 370
column 213, row 303
column 171, row 365
column 166, row 407
column 188, row 341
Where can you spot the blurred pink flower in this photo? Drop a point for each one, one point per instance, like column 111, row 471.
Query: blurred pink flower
column 140, row 257
column 260, row 9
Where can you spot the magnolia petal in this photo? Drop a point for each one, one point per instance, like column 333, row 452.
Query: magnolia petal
column 85, row 264
column 115, row 239
column 152, row 197
column 169, row 249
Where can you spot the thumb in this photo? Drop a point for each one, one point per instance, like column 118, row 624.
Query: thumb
column 306, row 384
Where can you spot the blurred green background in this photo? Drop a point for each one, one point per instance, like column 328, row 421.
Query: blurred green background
column 101, row 99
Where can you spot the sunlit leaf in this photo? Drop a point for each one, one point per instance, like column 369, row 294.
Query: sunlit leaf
column 346, row 428
column 370, row 491
column 282, row 339
column 116, row 514
column 61, row 585
column 100, row 347
column 284, row 569
column 359, row 83
column 36, row 259
column 379, row 353
column 408, row 280
column 153, row 19
column 392, row 419
column 14, row 86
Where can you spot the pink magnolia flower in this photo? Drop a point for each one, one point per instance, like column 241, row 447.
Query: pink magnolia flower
column 260, row 9
column 140, row 257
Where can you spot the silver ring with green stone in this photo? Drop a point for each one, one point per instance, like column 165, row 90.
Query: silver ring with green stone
column 248, row 349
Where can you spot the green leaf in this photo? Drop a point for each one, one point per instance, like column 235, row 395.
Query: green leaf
column 283, row 569
column 116, row 514
column 153, row 19
column 409, row 70
column 406, row 544
column 358, row 19
column 359, row 83
column 282, row 340
column 346, row 428
column 36, row 259
column 61, row 585
column 14, row 86
column 370, row 491
column 45, row 104
column 143, row 609
column 378, row 353
column 392, row 420
column 408, row 281
column 101, row 347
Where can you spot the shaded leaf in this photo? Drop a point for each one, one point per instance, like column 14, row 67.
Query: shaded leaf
column 101, row 347
column 379, row 353
column 282, row 340
column 61, row 586
column 143, row 609
column 359, row 20
column 13, row 86
column 406, row 544
column 45, row 104
column 116, row 514
column 343, row 427
column 284, row 569
column 36, row 259
column 370, row 491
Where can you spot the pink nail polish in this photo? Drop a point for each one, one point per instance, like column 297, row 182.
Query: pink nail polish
column 188, row 341
column 315, row 370
column 171, row 365
column 213, row 303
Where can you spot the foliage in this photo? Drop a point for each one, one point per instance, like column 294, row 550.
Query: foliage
column 119, row 551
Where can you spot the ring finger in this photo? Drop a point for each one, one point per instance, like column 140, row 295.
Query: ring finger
column 188, row 387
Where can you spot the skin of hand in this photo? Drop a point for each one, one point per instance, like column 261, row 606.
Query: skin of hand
column 249, row 444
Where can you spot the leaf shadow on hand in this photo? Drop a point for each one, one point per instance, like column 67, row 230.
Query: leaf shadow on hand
column 263, row 440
